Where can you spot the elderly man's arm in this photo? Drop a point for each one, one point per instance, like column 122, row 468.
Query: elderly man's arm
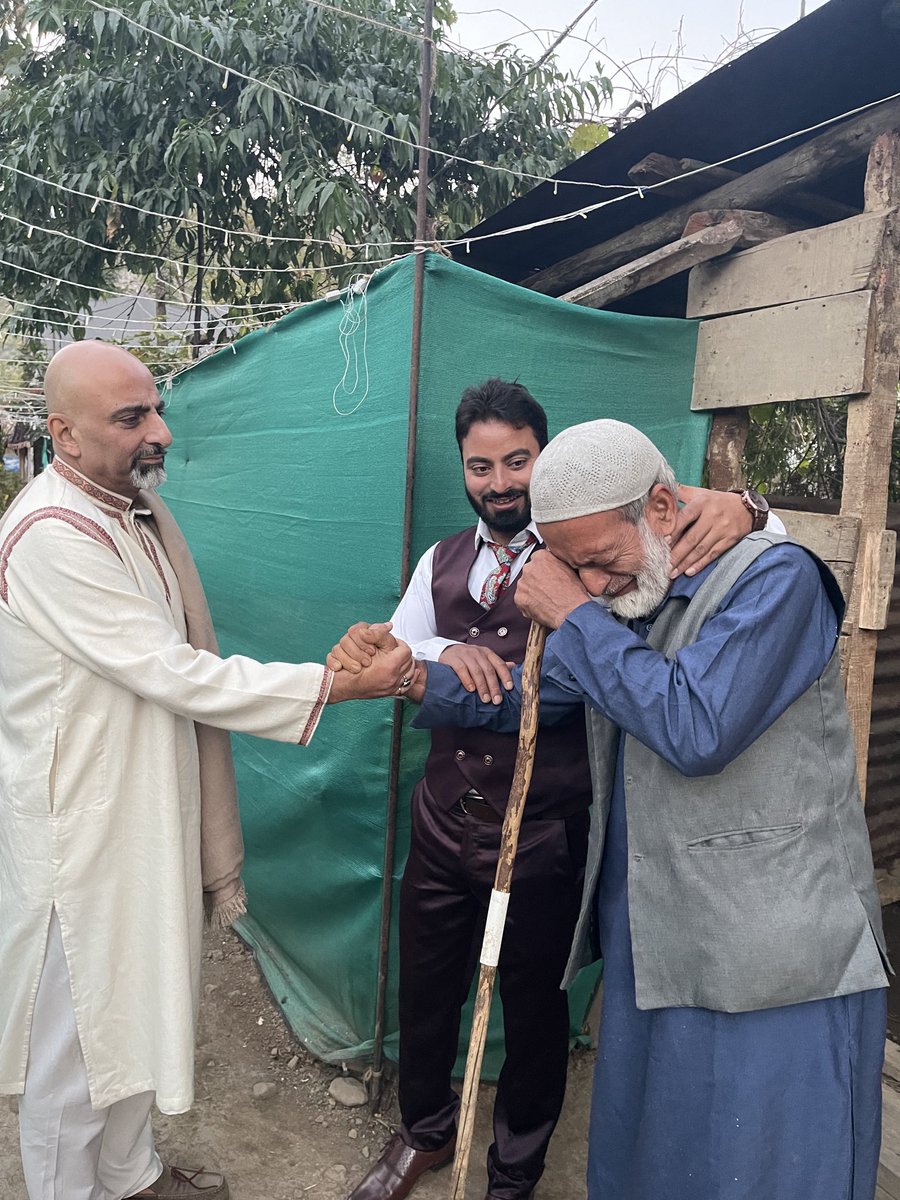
column 769, row 641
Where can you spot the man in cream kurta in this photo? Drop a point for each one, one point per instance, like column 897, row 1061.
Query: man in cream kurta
column 100, row 783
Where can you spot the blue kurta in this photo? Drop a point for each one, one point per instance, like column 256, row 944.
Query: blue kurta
column 691, row 1104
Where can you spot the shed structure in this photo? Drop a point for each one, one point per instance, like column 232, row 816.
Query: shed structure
column 788, row 254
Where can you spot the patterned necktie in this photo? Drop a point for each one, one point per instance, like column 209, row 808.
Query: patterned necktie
column 498, row 580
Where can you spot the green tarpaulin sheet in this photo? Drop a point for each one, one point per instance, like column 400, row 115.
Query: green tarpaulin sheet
column 295, row 513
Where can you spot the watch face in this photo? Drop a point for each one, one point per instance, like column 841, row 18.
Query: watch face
column 755, row 500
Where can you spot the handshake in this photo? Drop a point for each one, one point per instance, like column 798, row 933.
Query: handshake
column 369, row 662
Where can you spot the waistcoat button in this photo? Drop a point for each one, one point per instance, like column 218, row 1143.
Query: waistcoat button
column 474, row 631
column 489, row 760
column 460, row 755
column 502, row 631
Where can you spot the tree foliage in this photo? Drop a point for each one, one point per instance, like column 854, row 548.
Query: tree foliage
column 798, row 450
column 93, row 102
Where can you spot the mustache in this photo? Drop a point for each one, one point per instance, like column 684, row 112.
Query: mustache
column 154, row 451
column 515, row 493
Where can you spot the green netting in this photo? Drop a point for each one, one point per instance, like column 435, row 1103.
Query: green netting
column 295, row 515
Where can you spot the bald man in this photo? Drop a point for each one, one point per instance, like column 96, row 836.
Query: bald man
column 117, row 799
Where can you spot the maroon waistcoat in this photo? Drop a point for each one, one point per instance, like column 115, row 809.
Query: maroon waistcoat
column 481, row 759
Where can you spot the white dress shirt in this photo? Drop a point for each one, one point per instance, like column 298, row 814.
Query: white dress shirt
column 414, row 619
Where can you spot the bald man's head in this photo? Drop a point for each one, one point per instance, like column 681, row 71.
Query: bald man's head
column 105, row 416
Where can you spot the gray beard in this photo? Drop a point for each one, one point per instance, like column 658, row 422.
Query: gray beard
column 652, row 582
column 147, row 475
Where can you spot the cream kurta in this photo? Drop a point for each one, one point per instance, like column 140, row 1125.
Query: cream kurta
column 99, row 783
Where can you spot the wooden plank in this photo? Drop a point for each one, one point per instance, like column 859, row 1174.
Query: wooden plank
column 832, row 537
column 835, row 539
column 891, row 1069
column 820, row 157
column 870, row 425
column 793, row 352
column 888, row 1184
column 890, row 1129
column 877, row 578
column 669, row 260
column 802, row 266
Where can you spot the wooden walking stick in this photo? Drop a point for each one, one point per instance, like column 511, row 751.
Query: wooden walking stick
column 496, row 918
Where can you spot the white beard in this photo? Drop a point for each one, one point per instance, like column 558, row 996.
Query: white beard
column 652, row 582
column 148, row 475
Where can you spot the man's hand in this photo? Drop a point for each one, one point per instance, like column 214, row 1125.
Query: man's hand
column 479, row 670
column 709, row 524
column 358, row 646
column 390, row 672
column 548, row 590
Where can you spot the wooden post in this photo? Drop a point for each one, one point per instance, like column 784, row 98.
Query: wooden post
column 727, row 438
column 870, row 424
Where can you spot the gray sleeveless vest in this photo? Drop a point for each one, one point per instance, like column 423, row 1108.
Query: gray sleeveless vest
column 752, row 888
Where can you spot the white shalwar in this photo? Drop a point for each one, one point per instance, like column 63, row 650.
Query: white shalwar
column 99, row 782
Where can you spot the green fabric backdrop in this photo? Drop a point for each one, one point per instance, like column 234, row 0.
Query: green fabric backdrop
column 295, row 514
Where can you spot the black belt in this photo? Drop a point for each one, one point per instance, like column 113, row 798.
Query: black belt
column 474, row 805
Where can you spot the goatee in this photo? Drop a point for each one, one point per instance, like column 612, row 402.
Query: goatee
column 148, row 475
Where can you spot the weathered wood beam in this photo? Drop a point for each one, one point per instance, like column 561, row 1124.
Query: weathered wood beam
column 661, row 264
column 756, row 227
column 870, row 424
column 823, row 155
column 684, row 177
column 675, row 173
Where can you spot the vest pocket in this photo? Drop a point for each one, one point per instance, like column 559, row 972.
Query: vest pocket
column 742, row 839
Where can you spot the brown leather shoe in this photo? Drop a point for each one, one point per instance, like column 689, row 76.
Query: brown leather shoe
column 398, row 1170
column 186, row 1183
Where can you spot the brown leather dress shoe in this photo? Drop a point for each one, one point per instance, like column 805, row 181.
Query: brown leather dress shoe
column 398, row 1170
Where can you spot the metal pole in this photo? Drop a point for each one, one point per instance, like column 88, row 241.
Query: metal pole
column 377, row 1075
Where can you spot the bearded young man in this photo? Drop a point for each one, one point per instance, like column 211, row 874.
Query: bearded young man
column 460, row 610
column 729, row 877
column 117, row 796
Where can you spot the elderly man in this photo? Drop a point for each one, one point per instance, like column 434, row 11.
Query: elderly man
column 115, row 778
column 460, row 609
column 729, row 878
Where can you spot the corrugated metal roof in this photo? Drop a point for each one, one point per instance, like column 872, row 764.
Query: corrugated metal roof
column 843, row 55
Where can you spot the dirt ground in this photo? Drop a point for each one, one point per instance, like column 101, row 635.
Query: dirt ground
column 295, row 1141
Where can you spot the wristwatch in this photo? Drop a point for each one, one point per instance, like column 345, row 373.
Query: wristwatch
column 756, row 505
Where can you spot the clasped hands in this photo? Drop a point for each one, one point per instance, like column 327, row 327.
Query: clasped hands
column 370, row 662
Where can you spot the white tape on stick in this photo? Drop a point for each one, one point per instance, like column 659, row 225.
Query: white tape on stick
column 493, row 929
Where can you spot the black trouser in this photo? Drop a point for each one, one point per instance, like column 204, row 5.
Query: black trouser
column 443, row 903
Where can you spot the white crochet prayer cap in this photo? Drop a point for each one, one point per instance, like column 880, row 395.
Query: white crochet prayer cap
column 593, row 468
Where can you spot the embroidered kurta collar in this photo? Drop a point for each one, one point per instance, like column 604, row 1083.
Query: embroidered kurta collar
column 102, row 497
